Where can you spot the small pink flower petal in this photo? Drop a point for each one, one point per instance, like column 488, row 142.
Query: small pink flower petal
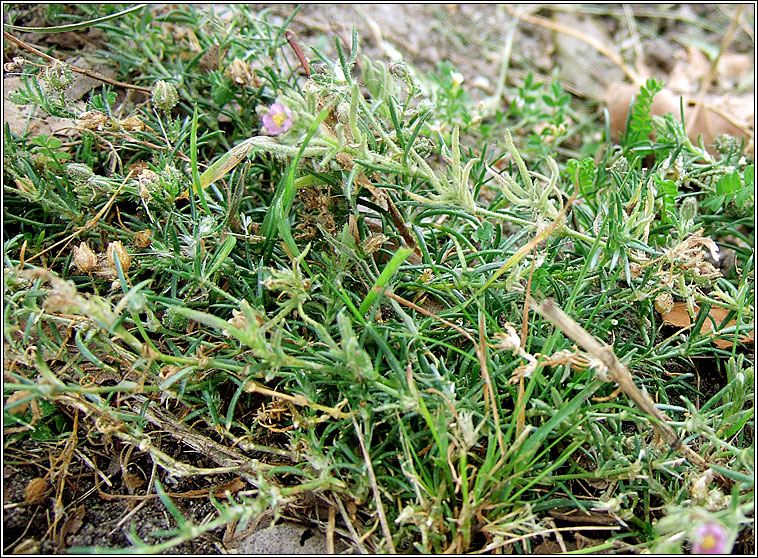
column 710, row 538
column 278, row 120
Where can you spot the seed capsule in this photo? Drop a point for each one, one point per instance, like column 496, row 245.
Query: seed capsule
column 85, row 258
column 123, row 256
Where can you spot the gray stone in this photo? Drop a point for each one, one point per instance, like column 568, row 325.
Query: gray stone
column 285, row 538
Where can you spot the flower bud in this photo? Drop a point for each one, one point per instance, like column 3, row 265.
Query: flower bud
column 424, row 146
column 123, row 257
column 175, row 321
column 79, row 172
column 165, row 96
column 621, row 166
column 85, row 258
column 688, row 211
column 398, row 69
column 726, row 144
column 58, row 76
column 149, row 183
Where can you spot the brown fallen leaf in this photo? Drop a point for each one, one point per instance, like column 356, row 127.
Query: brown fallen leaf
column 618, row 97
column 72, row 525
column 721, row 114
column 679, row 317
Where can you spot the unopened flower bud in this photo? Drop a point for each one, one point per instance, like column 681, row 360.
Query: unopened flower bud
column 688, row 211
column 398, row 69
column 424, row 146
column 726, row 144
column 85, row 258
column 620, row 166
column 79, row 172
column 175, row 321
column 58, row 76
column 165, row 96
column 123, row 257
column 457, row 78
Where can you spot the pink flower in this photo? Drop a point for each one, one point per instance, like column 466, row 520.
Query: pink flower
column 278, row 120
column 710, row 538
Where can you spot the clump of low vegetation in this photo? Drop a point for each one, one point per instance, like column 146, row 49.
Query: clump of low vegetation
column 318, row 273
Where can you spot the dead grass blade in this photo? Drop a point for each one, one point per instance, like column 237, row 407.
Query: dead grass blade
column 620, row 374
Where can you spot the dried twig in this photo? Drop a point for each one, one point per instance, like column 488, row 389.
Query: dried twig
column 618, row 372
column 87, row 73
column 375, row 489
column 330, row 530
column 88, row 225
column 594, row 43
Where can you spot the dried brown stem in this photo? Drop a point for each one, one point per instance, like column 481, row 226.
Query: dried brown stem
column 618, row 372
column 375, row 490
column 87, row 73
column 292, row 39
column 597, row 45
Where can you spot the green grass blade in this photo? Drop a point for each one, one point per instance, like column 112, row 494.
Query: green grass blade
column 389, row 270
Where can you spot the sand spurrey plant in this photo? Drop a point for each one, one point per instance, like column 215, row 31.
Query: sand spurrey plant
column 320, row 285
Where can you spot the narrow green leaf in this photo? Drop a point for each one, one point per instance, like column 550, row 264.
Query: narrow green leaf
column 223, row 252
column 389, row 270
column 74, row 26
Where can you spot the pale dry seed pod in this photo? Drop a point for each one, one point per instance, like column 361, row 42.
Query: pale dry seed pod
column 14, row 65
column 664, row 302
column 238, row 319
column 507, row 340
column 85, row 259
column 132, row 124
column 17, row 396
column 373, row 243
column 93, row 120
column 123, row 257
column 143, row 239
column 242, row 74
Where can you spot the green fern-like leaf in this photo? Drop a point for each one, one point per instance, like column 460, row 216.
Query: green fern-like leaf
column 636, row 141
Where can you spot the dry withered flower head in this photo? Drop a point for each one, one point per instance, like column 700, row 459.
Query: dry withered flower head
column 123, row 256
column 85, row 258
